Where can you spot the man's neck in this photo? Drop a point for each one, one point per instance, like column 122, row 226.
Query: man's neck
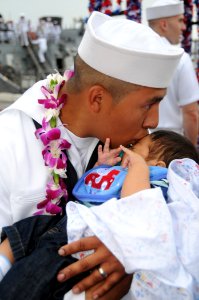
column 74, row 115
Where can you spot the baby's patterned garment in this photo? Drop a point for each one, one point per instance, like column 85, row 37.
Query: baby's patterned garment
column 157, row 241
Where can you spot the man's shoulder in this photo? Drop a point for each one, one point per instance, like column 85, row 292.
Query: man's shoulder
column 13, row 122
column 185, row 58
column 9, row 116
column 185, row 70
column 27, row 104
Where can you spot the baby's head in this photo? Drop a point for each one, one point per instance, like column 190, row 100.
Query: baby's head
column 161, row 147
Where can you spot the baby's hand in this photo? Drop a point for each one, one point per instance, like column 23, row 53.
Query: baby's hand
column 137, row 178
column 131, row 158
column 107, row 156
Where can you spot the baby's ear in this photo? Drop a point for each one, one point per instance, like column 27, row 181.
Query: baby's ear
column 161, row 163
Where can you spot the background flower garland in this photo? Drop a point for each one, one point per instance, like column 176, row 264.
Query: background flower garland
column 132, row 12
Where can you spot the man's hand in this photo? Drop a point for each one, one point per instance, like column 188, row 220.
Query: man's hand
column 116, row 293
column 102, row 258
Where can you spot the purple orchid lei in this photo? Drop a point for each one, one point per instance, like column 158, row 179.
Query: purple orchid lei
column 54, row 145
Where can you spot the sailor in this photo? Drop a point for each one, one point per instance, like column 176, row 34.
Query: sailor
column 179, row 109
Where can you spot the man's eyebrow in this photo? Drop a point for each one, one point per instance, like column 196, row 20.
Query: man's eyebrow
column 155, row 100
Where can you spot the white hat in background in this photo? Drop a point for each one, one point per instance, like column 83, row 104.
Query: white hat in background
column 128, row 51
column 164, row 8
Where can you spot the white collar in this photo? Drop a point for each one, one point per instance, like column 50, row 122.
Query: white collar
column 28, row 103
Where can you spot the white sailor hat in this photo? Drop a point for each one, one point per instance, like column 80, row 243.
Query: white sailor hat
column 164, row 8
column 128, row 51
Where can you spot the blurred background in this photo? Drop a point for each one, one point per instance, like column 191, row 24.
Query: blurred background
column 39, row 37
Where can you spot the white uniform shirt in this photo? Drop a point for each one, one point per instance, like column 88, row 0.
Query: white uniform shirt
column 183, row 90
column 23, row 175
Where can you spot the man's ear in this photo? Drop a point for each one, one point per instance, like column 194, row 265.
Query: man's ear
column 163, row 25
column 96, row 94
column 161, row 163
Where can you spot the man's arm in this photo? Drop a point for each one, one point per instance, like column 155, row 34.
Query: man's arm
column 190, row 121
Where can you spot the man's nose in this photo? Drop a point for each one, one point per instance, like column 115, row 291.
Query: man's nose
column 151, row 121
column 183, row 28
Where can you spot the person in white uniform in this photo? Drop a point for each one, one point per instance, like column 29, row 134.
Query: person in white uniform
column 22, row 29
column 179, row 108
column 115, row 91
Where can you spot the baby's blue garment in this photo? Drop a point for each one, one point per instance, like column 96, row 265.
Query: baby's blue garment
column 158, row 178
column 100, row 184
column 105, row 182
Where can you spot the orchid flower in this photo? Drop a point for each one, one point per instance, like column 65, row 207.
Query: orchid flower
column 53, row 154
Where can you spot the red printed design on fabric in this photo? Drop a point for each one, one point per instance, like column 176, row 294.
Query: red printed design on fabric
column 105, row 180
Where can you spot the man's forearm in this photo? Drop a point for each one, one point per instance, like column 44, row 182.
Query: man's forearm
column 190, row 123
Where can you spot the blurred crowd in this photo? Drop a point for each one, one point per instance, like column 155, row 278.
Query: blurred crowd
column 46, row 35
column 47, row 28
column 7, row 30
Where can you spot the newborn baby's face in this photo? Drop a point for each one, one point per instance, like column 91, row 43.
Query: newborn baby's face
column 142, row 147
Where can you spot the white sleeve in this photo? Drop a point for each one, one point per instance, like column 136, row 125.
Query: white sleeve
column 188, row 89
column 22, row 171
column 6, row 172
